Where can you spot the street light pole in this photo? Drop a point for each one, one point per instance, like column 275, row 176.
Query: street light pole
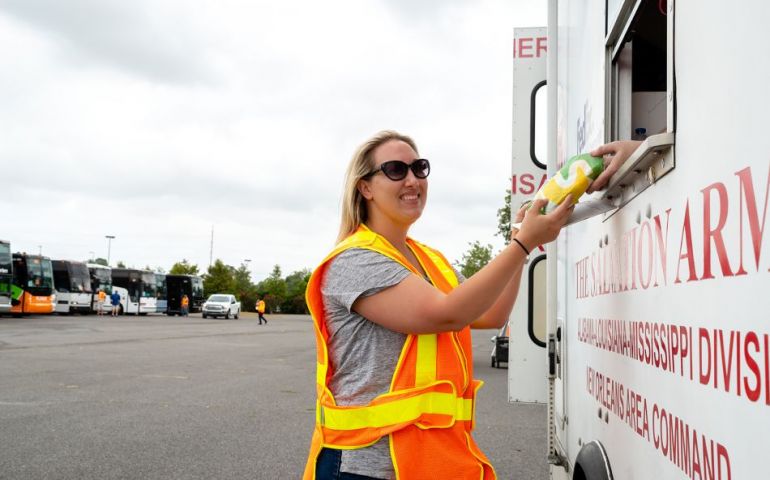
column 109, row 242
column 247, row 262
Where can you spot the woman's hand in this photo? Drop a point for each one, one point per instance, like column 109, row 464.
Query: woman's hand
column 519, row 217
column 615, row 154
column 538, row 229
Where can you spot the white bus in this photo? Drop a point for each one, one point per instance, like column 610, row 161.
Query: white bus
column 137, row 290
column 646, row 329
column 101, row 279
column 73, row 286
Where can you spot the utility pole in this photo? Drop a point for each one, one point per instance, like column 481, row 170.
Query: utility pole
column 109, row 244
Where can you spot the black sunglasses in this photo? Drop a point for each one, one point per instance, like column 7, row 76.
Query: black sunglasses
column 396, row 169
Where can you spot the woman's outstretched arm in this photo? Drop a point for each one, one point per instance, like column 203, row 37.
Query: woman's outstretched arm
column 414, row 306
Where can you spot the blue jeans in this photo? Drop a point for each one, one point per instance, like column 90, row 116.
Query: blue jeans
column 327, row 467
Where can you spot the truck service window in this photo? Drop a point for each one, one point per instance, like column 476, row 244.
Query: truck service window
column 640, row 97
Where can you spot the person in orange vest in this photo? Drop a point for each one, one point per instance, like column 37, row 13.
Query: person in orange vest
column 260, row 307
column 101, row 297
column 392, row 317
column 185, row 305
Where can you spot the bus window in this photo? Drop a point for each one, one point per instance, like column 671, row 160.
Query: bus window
column 61, row 276
column 80, row 277
column 6, row 276
column 39, row 273
column 149, row 285
column 101, row 278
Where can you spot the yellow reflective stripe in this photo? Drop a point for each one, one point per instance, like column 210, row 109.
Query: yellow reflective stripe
column 425, row 370
column 320, row 374
column 439, row 262
column 397, row 411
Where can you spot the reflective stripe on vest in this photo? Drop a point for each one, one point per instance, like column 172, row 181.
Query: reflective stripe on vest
column 397, row 412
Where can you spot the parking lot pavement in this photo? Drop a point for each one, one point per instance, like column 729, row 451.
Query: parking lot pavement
column 191, row 398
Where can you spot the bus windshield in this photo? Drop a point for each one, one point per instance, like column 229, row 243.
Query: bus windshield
column 80, row 279
column 6, row 265
column 102, row 278
column 5, row 258
column 39, row 272
column 103, row 275
column 160, row 280
column 149, row 286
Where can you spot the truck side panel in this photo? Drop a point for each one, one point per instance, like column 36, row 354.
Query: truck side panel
column 664, row 305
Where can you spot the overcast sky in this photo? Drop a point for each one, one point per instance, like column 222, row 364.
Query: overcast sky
column 154, row 120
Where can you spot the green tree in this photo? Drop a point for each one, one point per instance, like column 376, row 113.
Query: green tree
column 120, row 264
column 296, row 284
column 244, row 288
column 475, row 258
column 218, row 279
column 183, row 268
column 101, row 261
column 273, row 290
column 504, row 219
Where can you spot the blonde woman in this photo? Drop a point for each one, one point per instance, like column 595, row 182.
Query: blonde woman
column 395, row 383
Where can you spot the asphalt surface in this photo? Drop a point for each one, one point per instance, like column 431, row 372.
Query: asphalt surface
column 87, row 397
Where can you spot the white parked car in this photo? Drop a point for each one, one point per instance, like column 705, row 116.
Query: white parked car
column 221, row 305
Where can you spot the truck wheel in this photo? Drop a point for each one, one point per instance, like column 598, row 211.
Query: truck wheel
column 493, row 362
column 592, row 463
column 227, row 315
column 236, row 315
column 205, row 316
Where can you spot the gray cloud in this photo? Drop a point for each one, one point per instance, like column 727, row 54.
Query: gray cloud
column 121, row 34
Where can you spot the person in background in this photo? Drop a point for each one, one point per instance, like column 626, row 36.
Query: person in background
column 115, row 301
column 260, row 307
column 100, row 298
column 185, row 305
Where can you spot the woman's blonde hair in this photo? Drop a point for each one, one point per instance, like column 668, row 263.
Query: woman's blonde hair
column 353, row 203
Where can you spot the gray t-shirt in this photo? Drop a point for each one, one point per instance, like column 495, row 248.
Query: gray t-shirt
column 362, row 353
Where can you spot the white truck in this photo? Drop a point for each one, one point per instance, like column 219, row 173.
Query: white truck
column 646, row 329
column 221, row 305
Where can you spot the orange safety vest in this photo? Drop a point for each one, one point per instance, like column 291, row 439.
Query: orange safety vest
column 185, row 301
column 102, row 296
column 261, row 306
column 428, row 413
